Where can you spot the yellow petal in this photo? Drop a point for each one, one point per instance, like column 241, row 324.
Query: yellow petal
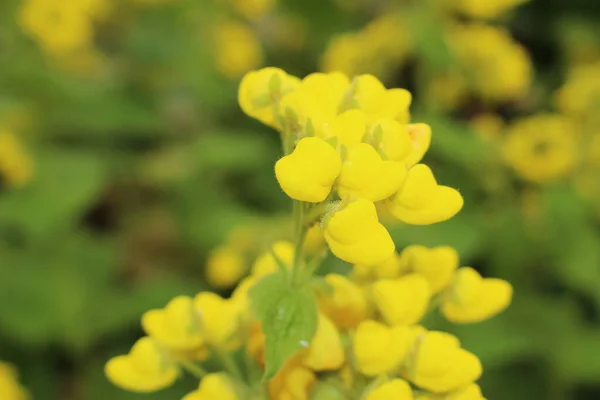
column 326, row 352
column 349, row 127
column 214, row 386
column 397, row 389
column 379, row 349
column 436, row 264
column 346, row 305
column 402, row 301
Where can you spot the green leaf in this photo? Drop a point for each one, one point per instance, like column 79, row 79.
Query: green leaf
column 288, row 316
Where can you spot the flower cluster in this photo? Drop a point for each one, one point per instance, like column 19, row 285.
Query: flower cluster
column 10, row 389
column 349, row 154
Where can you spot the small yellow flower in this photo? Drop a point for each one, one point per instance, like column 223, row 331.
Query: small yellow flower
column 326, row 352
column 402, row 301
column 16, row 167
column 267, row 264
column 389, row 269
column 440, row 365
column 421, row 201
column 542, row 148
column 397, row 389
column 219, row 319
column 224, row 267
column 349, row 128
column 436, row 264
column 474, row 299
column 580, row 94
column 309, row 173
column 394, row 140
column 237, row 49
column 212, row 387
column 346, row 305
column 355, row 235
column 379, row 349
column 176, row 326
column 255, row 94
column 365, row 175
column 147, row 368
column 292, row 382
column 10, row 389
column 377, row 102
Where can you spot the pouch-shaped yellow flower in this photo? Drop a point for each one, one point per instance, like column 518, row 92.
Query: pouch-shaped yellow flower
column 402, row 301
column 378, row 348
column 349, row 128
column 212, row 387
column 177, row 326
column 219, row 319
column 365, row 175
column 146, row 368
column 346, row 304
column 292, row 382
column 421, row 201
column 355, row 235
column 474, row 299
column 389, row 269
column 10, row 389
column 436, row 264
column 397, row 389
column 255, row 96
column 392, row 139
column 266, row 263
column 309, row 173
column 377, row 102
column 225, row 267
column 325, row 352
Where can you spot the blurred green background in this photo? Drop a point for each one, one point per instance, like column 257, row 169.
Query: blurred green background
column 124, row 159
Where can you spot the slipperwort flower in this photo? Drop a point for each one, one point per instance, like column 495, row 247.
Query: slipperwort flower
column 350, row 152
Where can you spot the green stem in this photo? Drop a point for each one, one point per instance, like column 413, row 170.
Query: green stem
column 193, row 369
column 230, row 365
column 299, row 237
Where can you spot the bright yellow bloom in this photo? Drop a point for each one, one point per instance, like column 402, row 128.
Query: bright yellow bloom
column 212, row 387
column 16, row 167
column 402, row 301
column 542, row 148
column 237, row 49
column 176, row 327
column 498, row 67
column 397, row 389
column 365, row 175
column 309, row 173
column 391, row 137
column 346, row 304
column 10, row 389
column 147, row 368
column 474, row 299
column 441, row 366
column 379, row 349
column 225, row 266
column 377, row 102
column 292, row 382
column 436, row 264
column 355, row 235
column 485, row 9
column 326, row 352
column 267, row 264
column 349, row 128
column 260, row 90
column 421, row 201
column 219, row 319
column 389, row 269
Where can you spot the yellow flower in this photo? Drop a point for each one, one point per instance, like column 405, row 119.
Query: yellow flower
column 365, row 175
column 212, row 387
column 380, row 349
column 377, row 102
column 474, row 299
column 237, row 49
column 542, row 148
column 471, row 392
column 402, row 301
column 10, row 389
column 441, row 366
column 267, row 264
column 421, row 201
column 389, row 269
column 485, row 9
column 580, row 94
column 260, row 90
column 176, row 326
column 346, row 304
column 317, row 99
column 355, row 235
column 436, row 264
column 224, row 267
column 219, row 319
column 147, row 368
column 326, row 352
column 253, row 9
column 397, row 389
column 349, row 128
column 344, row 53
column 309, row 173
column 394, row 140
column 292, row 382
column 496, row 65
column 16, row 168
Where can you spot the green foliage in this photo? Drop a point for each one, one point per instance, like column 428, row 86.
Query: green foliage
column 288, row 317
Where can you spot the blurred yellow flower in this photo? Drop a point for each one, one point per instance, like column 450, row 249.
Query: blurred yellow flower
column 292, row 382
column 267, row 263
column 402, row 301
column 219, row 319
column 326, row 352
column 542, row 148
column 16, row 167
column 237, row 49
column 225, row 267
column 580, row 95
column 212, row 387
column 10, row 389
column 379, row 349
column 397, row 389
column 346, row 304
